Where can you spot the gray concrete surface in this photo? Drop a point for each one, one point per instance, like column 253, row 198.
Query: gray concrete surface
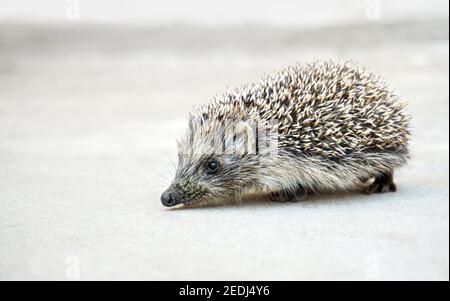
column 88, row 121
column 280, row 13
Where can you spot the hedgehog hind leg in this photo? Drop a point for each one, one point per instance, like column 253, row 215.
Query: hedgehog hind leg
column 285, row 196
column 384, row 182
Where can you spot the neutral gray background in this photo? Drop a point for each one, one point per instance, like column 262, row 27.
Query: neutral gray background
column 90, row 108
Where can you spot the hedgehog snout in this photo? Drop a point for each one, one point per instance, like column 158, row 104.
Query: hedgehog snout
column 169, row 198
column 182, row 192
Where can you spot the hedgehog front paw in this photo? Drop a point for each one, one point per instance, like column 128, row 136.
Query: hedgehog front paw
column 383, row 183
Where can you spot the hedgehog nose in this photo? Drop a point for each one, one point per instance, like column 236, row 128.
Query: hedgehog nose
column 169, row 199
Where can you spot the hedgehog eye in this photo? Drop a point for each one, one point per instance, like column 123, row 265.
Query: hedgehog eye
column 212, row 166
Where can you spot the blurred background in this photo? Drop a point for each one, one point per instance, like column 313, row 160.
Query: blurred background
column 93, row 95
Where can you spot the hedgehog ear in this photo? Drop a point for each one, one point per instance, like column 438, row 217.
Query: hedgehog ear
column 245, row 133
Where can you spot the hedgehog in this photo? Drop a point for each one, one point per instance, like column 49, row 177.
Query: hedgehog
column 311, row 128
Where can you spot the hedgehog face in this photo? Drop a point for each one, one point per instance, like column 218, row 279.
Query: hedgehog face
column 206, row 174
column 213, row 179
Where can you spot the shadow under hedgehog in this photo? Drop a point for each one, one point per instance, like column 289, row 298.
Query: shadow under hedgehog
column 320, row 127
